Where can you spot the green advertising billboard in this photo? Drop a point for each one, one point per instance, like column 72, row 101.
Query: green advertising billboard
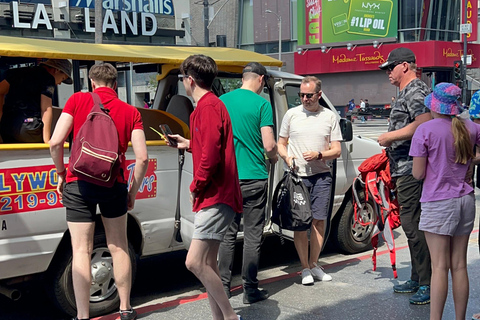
column 327, row 21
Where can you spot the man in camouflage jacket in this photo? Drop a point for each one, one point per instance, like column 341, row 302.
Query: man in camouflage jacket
column 408, row 112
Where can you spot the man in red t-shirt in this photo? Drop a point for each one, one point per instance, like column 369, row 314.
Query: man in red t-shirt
column 81, row 198
column 215, row 191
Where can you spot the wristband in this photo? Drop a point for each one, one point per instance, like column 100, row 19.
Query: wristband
column 320, row 156
column 62, row 173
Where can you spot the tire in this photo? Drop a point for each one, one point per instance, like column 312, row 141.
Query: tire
column 351, row 237
column 104, row 295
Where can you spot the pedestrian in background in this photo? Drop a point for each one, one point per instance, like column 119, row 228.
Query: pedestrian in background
column 81, row 198
column 474, row 112
column 442, row 150
column 215, row 191
column 252, row 123
column 407, row 114
column 362, row 109
column 310, row 134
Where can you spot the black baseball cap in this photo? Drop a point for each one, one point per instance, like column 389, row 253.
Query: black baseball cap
column 398, row 55
column 257, row 68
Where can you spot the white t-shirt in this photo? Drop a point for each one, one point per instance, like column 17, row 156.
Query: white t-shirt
column 362, row 105
column 310, row 131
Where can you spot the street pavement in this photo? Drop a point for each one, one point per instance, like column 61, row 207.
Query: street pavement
column 356, row 291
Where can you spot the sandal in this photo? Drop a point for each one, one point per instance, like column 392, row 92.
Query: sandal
column 476, row 316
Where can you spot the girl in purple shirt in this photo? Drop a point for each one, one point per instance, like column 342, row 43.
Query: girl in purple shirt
column 442, row 151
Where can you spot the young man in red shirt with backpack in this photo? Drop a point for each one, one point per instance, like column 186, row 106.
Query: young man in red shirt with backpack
column 81, row 197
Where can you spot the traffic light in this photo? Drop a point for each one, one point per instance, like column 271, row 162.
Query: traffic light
column 457, row 73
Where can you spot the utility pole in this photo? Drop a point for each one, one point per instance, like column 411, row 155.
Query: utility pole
column 279, row 19
column 205, row 23
column 464, row 64
column 98, row 21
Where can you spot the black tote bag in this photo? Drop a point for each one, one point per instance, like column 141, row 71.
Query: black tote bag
column 291, row 208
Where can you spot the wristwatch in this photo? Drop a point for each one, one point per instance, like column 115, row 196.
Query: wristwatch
column 320, row 156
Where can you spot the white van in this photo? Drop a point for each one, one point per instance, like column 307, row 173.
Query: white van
column 34, row 240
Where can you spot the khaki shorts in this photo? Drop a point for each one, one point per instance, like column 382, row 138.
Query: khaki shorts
column 450, row 217
column 212, row 223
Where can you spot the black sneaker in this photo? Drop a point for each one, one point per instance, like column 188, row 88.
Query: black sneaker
column 422, row 296
column 255, row 296
column 227, row 291
column 409, row 286
column 128, row 314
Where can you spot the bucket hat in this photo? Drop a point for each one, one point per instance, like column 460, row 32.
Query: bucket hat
column 474, row 109
column 63, row 65
column 444, row 99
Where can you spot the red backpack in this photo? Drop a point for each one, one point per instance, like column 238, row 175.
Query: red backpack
column 95, row 155
column 376, row 183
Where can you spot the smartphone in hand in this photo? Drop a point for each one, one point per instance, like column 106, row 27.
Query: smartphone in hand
column 166, row 131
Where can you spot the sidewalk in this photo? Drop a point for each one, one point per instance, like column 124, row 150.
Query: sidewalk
column 356, row 292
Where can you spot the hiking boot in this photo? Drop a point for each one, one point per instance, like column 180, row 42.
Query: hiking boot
column 307, row 277
column 128, row 314
column 422, row 296
column 319, row 274
column 255, row 296
column 409, row 286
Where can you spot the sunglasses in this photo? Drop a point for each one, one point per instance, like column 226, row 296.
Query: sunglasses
column 181, row 77
column 308, row 95
column 393, row 66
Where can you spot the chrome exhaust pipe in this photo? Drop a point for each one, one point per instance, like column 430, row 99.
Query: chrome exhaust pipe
column 13, row 294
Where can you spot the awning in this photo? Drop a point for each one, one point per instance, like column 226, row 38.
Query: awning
column 56, row 49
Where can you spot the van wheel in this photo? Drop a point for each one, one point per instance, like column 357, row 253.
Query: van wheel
column 103, row 292
column 351, row 237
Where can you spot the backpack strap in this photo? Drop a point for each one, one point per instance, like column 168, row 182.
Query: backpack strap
column 97, row 103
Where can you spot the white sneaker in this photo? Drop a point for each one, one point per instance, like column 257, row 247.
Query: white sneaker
column 319, row 274
column 307, row 277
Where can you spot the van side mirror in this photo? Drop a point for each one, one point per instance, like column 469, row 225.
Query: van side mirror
column 347, row 130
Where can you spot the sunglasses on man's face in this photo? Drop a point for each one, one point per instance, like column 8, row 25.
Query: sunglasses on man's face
column 308, row 95
column 181, row 77
column 393, row 66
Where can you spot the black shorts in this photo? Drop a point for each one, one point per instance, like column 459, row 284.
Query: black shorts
column 81, row 199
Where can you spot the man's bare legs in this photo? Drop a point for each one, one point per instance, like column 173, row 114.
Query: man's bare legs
column 202, row 261
column 300, row 239
column 316, row 241
column 116, row 232
column 81, row 234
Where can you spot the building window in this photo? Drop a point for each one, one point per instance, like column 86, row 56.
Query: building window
column 247, row 23
column 423, row 20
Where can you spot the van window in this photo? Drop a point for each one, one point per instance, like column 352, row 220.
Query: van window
column 230, row 84
column 292, row 91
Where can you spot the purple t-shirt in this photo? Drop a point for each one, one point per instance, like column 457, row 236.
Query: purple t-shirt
column 444, row 179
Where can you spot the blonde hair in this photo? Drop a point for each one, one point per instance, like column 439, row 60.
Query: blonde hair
column 463, row 145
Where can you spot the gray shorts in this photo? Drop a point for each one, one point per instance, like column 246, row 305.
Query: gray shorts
column 212, row 223
column 450, row 217
column 319, row 186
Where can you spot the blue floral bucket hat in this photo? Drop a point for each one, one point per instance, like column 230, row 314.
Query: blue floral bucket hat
column 444, row 99
column 474, row 109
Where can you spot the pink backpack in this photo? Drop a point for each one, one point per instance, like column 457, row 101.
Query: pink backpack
column 95, row 155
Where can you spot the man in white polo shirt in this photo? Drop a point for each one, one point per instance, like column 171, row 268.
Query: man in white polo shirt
column 311, row 135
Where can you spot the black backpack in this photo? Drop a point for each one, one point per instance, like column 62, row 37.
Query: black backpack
column 291, row 207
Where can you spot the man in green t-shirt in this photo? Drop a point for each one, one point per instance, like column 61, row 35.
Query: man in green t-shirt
column 252, row 123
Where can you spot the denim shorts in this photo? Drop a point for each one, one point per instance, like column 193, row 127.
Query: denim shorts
column 211, row 223
column 450, row 217
column 81, row 199
column 319, row 186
